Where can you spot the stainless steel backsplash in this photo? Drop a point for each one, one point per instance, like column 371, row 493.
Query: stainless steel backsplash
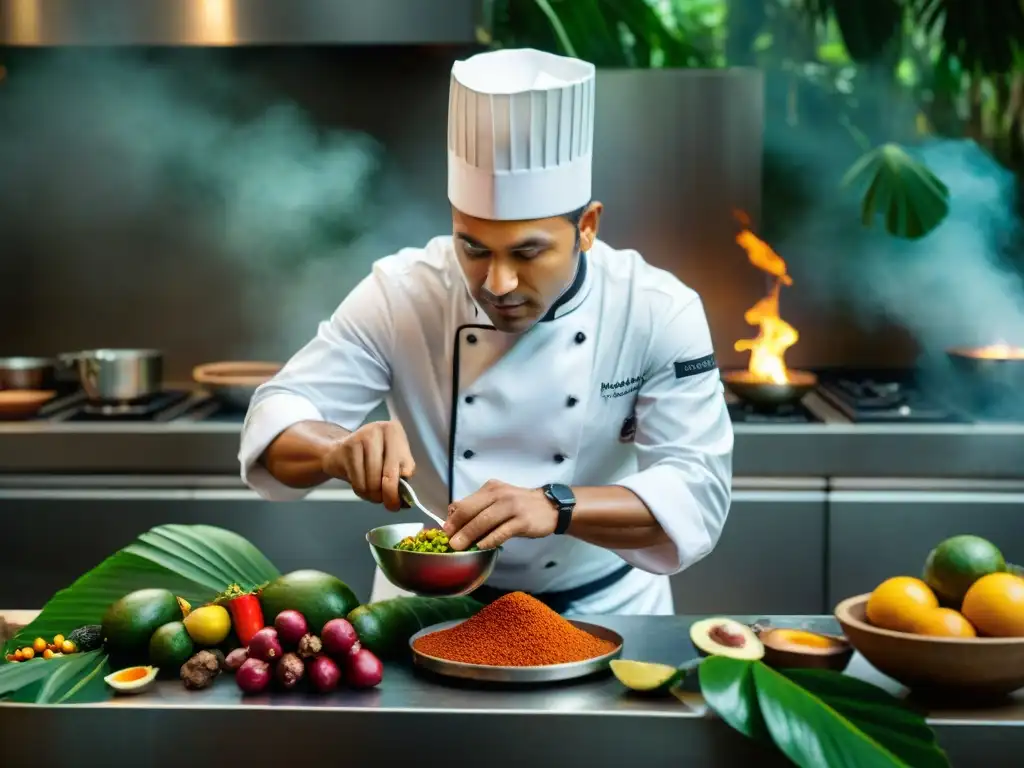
column 677, row 152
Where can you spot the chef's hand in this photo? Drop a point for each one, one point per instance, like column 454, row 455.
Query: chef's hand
column 372, row 459
column 497, row 513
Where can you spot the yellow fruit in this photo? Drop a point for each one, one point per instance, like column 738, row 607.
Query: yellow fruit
column 208, row 625
column 896, row 602
column 995, row 605
column 942, row 622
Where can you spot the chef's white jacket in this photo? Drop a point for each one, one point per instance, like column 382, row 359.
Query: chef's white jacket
column 616, row 385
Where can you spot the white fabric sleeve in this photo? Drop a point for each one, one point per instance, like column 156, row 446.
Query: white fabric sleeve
column 341, row 375
column 684, row 440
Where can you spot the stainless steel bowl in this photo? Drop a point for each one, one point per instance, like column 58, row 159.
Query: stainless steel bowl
column 428, row 573
column 27, row 373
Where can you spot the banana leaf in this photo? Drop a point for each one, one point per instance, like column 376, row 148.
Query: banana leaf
column 911, row 200
column 194, row 561
column 819, row 718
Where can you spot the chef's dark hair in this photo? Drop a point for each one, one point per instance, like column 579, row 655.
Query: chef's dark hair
column 574, row 218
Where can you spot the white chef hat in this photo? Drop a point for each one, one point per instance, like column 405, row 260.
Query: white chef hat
column 520, row 134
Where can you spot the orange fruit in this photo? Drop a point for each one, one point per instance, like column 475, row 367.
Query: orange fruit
column 943, row 622
column 995, row 605
column 896, row 602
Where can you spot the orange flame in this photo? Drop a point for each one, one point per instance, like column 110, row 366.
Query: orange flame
column 998, row 351
column 775, row 336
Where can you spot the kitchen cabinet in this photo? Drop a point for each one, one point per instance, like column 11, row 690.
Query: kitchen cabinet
column 55, row 535
column 770, row 558
column 880, row 530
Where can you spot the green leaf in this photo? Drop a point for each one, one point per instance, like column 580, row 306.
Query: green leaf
column 911, row 200
column 818, row 717
column 728, row 688
column 193, row 561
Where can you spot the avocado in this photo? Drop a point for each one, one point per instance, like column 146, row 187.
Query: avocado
column 720, row 636
column 800, row 649
column 87, row 638
column 318, row 596
column 956, row 563
column 130, row 622
column 170, row 647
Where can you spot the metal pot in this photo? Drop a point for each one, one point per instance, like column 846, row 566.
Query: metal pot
column 118, row 375
column 993, row 375
column 27, row 373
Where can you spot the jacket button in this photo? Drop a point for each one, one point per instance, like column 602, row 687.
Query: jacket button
column 571, row 401
column 580, row 337
column 559, row 458
column 469, row 399
column 471, row 338
column 467, row 454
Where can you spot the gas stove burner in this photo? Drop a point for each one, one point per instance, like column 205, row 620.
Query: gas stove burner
column 146, row 409
column 791, row 413
column 884, row 400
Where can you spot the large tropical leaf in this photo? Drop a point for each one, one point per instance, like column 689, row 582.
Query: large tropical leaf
column 193, row 561
column 819, row 718
column 983, row 36
column 911, row 200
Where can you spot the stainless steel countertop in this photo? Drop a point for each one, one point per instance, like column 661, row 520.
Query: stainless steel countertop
column 833, row 449
column 596, row 719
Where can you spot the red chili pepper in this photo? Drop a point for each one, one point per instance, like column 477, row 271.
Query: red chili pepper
column 246, row 613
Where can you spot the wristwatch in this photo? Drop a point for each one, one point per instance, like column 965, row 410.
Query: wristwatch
column 565, row 502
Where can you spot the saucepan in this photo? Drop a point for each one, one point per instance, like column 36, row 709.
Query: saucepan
column 763, row 393
column 28, row 373
column 993, row 374
column 117, row 375
column 233, row 383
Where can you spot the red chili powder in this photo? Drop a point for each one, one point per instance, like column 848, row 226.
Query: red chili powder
column 516, row 630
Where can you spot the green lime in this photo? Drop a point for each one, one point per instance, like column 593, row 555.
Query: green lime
column 956, row 563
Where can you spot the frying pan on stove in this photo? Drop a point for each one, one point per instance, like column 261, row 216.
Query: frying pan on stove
column 767, row 394
column 991, row 374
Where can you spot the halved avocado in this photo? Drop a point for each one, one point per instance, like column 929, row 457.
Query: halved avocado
column 798, row 648
column 132, row 679
column 721, row 636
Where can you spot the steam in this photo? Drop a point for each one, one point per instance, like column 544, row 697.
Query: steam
column 950, row 288
column 103, row 152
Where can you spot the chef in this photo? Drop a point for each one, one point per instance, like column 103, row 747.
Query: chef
column 552, row 394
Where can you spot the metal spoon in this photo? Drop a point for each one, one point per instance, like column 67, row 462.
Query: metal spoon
column 409, row 497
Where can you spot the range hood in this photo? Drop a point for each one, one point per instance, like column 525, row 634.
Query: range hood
column 237, row 22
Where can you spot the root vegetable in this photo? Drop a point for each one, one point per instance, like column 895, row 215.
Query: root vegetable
column 338, row 637
column 236, row 658
column 309, row 646
column 253, row 676
column 265, row 646
column 324, row 674
column 290, row 626
column 363, row 669
column 289, row 670
column 199, row 671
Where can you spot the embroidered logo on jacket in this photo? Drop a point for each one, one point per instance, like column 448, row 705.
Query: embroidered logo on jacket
column 621, row 388
column 693, row 367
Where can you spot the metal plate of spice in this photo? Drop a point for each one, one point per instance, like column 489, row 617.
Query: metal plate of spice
column 516, row 639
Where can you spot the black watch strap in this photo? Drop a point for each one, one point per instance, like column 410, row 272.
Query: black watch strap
column 565, row 502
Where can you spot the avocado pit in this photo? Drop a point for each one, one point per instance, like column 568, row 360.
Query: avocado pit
column 721, row 636
column 800, row 649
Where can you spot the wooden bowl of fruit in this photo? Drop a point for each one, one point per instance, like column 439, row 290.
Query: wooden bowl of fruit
column 973, row 651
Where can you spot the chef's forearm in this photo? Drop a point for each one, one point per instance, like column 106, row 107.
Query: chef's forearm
column 296, row 456
column 614, row 517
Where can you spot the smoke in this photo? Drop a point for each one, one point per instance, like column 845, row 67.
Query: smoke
column 103, row 152
column 953, row 287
